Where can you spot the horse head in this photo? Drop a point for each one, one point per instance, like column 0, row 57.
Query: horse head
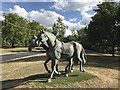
column 46, row 38
column 32, row 43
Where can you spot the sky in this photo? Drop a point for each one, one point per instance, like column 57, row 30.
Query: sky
column 76, row 14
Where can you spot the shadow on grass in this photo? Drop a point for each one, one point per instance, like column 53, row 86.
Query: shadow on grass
column 103, row 61
column 42, row 78
column 15, row 82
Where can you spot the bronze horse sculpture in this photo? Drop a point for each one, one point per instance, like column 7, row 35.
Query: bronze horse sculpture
column 55, row 50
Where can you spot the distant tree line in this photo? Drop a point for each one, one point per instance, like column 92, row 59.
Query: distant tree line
column 102, row 34
column 17, row 31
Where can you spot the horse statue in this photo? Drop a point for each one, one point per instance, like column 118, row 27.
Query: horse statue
column 55, row 50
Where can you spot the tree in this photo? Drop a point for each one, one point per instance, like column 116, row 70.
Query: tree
column 118, row 27
column 14, row 29
column 102, row 32
column 59, row 28
column 35, row 27
column 74, row 35
column 82, row 37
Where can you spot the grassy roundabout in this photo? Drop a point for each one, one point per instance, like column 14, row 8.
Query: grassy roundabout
column 76, row 76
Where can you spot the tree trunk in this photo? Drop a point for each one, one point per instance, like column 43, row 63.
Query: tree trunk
column 13, row 44
column 26, row 45
column 113, row 50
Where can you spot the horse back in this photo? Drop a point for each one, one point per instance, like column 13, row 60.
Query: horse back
column 68, row 48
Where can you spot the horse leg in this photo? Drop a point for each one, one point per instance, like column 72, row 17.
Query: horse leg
column 54, row 70
column 52, row 66
column 66, row 68
column 69, row 67
column 45, row 64
column 57, row 72
column 81, row 69
column 80, row 60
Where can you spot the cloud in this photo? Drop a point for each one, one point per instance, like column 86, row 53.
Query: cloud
column 46, row 18
column 82, row 6
column 73, row 26
column 1, row 16
column 55, row 0
column 20, row 11
column 72, row 19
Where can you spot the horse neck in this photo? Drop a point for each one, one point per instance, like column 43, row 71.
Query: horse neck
column 45, row 47
column 51, row 43
column 51, row 39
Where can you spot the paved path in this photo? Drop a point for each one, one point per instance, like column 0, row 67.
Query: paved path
column 11, row 56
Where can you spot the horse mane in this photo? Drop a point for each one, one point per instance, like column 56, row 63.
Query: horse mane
column 51, row 37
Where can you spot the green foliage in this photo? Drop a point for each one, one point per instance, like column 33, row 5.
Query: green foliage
column 17, row 30
column 35, row 27
column 118, row 26
column 82, row 37
column 102, row 32
column 73, row 37
column 14, row 29
column 59, row 29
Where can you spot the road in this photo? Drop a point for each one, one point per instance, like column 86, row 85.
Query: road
column 12, row 56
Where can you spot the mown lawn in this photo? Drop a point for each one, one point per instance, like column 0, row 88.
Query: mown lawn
column 60, row 81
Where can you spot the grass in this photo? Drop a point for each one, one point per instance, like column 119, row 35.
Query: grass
column 57, row 81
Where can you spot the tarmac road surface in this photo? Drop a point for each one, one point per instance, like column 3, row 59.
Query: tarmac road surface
column 11, row 56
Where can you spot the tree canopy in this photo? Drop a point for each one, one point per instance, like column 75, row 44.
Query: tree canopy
column 17, row 30
column 102, row 31
column 58, row 28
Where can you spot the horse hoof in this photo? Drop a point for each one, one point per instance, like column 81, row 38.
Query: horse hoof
column 82, row 70
column 71, row 71
column 66, row 75
column 48, row 71
column 59, row 73
column 49, row 80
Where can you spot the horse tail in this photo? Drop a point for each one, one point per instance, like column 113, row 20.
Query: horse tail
column 84, row 56
column 79, row 53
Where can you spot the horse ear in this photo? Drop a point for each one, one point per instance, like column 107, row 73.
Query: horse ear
column 35, row 37
column 42, row 30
